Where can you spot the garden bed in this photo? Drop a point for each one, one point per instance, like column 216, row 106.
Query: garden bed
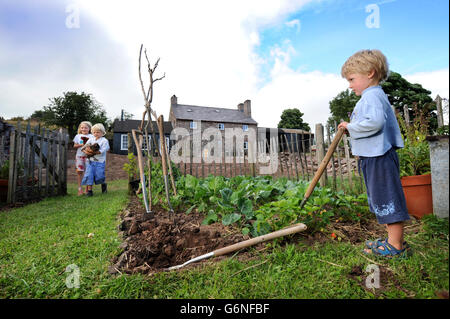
column 154, row 244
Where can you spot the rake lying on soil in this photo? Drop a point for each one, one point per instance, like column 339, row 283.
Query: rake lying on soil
column 244, row 244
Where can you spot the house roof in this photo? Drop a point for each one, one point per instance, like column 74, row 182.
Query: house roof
column 210, row 114
column 126, row 126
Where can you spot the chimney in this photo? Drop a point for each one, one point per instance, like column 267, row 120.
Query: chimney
column 173, row 100
column 241, row 107
column 248, row 108
column 121, row 115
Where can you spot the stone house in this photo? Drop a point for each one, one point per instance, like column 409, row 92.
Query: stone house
column 193, row 117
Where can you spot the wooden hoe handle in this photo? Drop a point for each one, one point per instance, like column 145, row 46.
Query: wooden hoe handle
column 324, row 162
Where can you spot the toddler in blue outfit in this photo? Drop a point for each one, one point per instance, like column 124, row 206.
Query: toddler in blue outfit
column 374, row 137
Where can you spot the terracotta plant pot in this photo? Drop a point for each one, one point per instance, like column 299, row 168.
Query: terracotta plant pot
column 417, row 189
column 3, row 190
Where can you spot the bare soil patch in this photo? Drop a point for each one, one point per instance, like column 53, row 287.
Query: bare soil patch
column 154, row 244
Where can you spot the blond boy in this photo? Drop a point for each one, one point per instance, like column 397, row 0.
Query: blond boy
column 375, row 135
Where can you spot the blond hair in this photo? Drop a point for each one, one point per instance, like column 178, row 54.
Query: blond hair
column 99, row 127
column 87, row 123
column 366, row 61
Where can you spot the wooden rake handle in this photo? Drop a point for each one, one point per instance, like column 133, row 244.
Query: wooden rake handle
column 250, row 242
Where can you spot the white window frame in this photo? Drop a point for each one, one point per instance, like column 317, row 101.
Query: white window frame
column 193, row 125
column 245, row 127
column 122, row 142
column 167, row 139
column 221, row 126
column 144, row 145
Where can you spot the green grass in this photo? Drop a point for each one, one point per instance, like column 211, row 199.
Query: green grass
column 38, row 242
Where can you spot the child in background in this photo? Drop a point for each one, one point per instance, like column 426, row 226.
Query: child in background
column 83, row 135
column 375, row 135
column 95, row 168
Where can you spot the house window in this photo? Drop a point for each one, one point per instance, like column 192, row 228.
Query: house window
column 221, row 126
column 167, row 139
column 193, row 125
column 245, row 127
column 144, row 144
column 124, row 142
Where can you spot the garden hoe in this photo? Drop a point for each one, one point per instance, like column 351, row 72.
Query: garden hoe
column 246, row 243
column 322, row 166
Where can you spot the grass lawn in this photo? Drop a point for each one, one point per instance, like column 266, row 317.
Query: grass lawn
column 38, row 242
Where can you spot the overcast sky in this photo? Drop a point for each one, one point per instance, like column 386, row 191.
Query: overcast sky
column 278, row 54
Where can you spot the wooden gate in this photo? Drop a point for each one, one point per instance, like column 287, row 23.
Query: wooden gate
column 38, row 164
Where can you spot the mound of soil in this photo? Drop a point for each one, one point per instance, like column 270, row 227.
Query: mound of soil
column 167, row 239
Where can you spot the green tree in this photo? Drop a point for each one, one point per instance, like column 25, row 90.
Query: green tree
column 400, row 92
column 71, row 109
column 341, row 106
column 292, row 118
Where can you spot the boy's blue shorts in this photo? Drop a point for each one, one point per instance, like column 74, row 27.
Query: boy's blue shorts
column 384, row 189
column 95, row 173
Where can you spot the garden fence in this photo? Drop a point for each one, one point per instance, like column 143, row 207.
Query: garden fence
column 297, row 158
column 38, row 164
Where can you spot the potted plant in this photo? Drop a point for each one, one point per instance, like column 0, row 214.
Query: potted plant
column 415, row 171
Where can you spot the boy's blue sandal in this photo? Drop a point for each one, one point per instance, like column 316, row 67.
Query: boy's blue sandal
column 377, row 243
column 388, row 250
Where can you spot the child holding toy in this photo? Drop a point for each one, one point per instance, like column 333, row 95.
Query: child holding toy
column 374, row 136
column 83, row 135
column 95, row 168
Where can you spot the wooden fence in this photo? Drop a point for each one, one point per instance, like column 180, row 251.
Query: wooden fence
column 38, row 164
column 296, row 156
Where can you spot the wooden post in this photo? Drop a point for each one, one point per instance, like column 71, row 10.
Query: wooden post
column 304, row 156
column 130, row 151
column 299, row 156
column 60, row 162
column 440, row 115
column 12, row 167
column 41, row 142
column 406, row 114
column 311, row 153
column 339, row 158
column 332, row 159
column 26, row 163
column 347, row 158
column 47, row 163
column 320, row 152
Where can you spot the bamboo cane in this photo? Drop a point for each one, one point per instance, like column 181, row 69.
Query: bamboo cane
column 163, row 159
column 141, row 171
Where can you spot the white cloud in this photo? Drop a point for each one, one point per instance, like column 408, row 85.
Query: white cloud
column 294, row 24
column 436, row 81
